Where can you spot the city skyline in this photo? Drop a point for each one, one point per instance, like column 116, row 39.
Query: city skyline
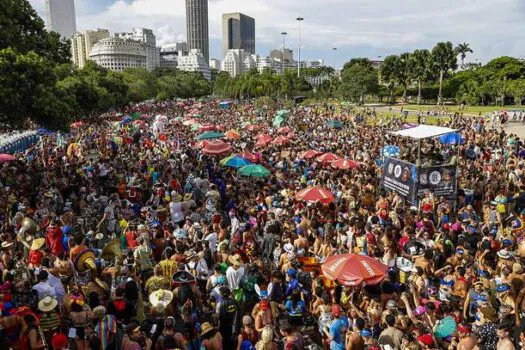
column 359, row 29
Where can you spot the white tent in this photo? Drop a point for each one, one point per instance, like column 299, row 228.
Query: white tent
column 423, row 132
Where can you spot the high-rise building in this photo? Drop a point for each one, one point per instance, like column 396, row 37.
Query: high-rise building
column 197, row 26
column 238, row 61
column 60, row 17
column 238, row 32
column 278, row 54
column 117, row 54
column 82, row 43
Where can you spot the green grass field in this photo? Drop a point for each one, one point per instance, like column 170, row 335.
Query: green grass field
column 473, row 110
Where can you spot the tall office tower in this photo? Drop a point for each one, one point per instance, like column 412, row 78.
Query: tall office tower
column 60, row 17
column 238, row 32
column 197, row 26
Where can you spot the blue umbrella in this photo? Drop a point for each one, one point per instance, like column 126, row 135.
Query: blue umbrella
column 126, row 120
column 451, row 139
column 210, row 135
column 235, row 162
column 391, row 151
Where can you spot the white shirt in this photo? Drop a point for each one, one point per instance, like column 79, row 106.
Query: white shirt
column 177, row 215
column 44, row 289
column 234, row 277
column 212, row 239
column 57, row 285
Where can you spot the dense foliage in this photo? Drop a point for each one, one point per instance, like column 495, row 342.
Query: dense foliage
column 39, row 83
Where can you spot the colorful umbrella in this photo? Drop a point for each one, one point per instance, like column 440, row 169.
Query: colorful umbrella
column 210, row 135
column 284, row 130
column 254, row 170
column 263, row 140
column 216, row 147
column 344, row 164
column 232, row 135
column 314, row 195
column 195, row 127
column 207, row 127
column 248, row 156
column 250, row 127
column 451, row 139
column 190, row 122
column 309, row 154
column 334, row 124
column 391, row 151
column 235, row 162
column 280, row 140
column 327, row 157
column 354, row 269
column 4, row 157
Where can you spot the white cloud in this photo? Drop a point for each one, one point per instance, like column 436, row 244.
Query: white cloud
column 356, row 27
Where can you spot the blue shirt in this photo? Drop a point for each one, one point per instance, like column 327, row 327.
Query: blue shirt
column 338, row 330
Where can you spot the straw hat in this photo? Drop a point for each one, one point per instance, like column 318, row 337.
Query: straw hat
column 38, row 243
column 288, row 247
column 99, row 236
column 206, row 328
column 102, row 284
column 6, row 244
column 160, row 297
column 47, row 304
column 235, row 260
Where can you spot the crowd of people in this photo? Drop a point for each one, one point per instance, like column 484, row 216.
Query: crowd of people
column 128, row 234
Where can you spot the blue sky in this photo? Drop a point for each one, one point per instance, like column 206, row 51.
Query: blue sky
column 358, row 28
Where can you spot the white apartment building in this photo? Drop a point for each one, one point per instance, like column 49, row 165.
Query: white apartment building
column 215, row 64
column 82, row 43
column 194, row 62
column 118, row 54
column 238, row 61
column 61, row 18
column 146, row 37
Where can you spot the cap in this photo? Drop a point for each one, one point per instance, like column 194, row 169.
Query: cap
column 500, row 288
column 391, row 304
column 464, row 328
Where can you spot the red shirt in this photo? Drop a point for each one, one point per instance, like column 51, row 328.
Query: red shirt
column 54, row 240
column 35, row 257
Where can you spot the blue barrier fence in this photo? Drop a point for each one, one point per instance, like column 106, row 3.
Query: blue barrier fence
column 18, row 142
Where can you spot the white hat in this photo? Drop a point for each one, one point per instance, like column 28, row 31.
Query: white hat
column 288, row 247
column 47, row 304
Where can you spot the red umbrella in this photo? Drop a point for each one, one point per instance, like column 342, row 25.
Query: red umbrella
column 354, row 269
column 327, row 157
column 284, row 130
column 280, row 140
column 252, row 127
column 344, row 164
column 4, row 157
column 290, row 135
column 216, row 147
column 263, row 140
column 310, row 154
column 248, row 156
column 314, row 195
column 207, row 127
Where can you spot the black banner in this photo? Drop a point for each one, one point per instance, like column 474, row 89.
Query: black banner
column 439, row 180
column 400, row 176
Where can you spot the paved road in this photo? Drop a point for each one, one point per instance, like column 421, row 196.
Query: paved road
column 516, row 128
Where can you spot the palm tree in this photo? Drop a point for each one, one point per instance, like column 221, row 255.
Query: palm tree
column 444, row 59
column 404, row 73
column 462, row 49
column 421, row 62
column 389, row 73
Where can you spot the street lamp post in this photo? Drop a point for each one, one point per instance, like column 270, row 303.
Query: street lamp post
column 335, row 51
column 283, row 53
column 299, row 19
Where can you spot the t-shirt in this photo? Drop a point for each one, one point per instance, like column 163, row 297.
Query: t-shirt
column 338, row 330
